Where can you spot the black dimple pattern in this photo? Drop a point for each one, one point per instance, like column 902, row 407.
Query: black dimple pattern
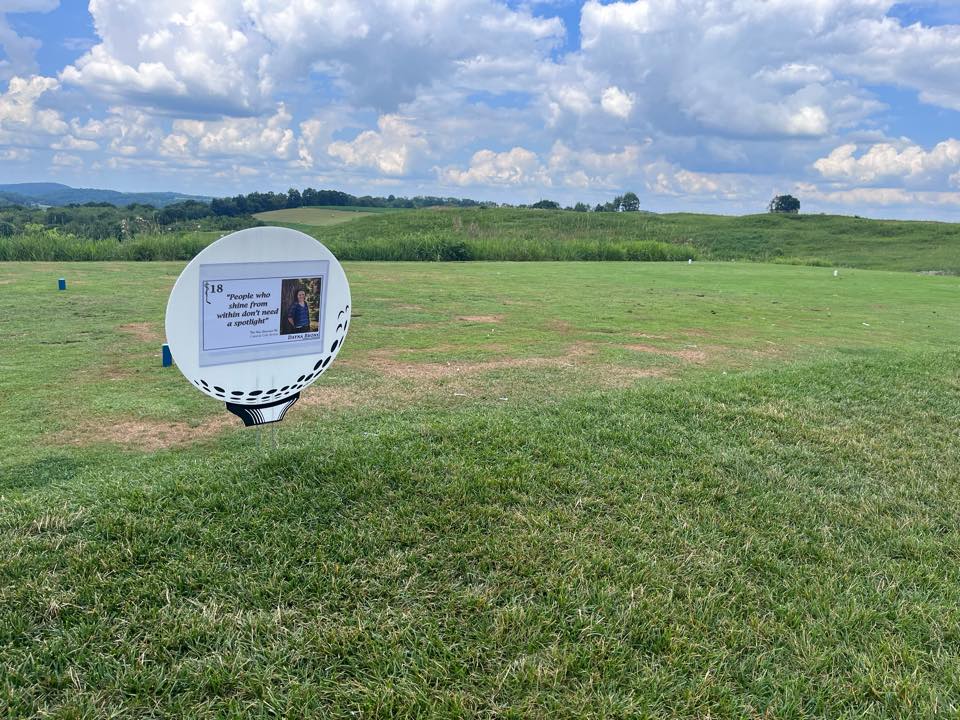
column 318, row 369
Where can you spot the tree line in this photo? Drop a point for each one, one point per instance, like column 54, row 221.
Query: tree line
column 103, row 221
column 257, row 202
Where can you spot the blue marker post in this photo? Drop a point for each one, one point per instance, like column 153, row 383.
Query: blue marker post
column 62, row 284
column 167, row 357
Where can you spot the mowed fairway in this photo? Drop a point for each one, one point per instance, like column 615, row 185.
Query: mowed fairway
column 523, row 490
column 312, row 216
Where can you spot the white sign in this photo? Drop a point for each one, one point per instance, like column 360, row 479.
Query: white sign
column 261, row 310
column 256, row 317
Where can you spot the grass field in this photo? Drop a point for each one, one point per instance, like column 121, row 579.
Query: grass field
column 315, row 216
column 523, row 490
column 502, row 234
column 532, row 235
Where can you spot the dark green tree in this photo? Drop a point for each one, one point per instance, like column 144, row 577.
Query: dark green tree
column 546, row 205
column 630, row 202
column 784, row 204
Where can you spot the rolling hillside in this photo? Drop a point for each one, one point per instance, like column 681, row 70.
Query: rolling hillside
column 55, row 194
column 800, row 239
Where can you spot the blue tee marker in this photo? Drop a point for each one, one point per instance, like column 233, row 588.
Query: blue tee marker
column 167, row 357
column 62, row 284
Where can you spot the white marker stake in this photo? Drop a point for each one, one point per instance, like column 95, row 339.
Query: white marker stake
column 256, row 317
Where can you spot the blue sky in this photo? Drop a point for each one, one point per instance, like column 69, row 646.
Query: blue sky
column 708, row 106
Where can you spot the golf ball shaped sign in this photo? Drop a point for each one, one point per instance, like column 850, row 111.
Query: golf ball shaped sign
column 256, row 317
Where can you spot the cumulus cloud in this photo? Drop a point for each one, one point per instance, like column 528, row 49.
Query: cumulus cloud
column 69, row 142
column 881, row 197
column 728, row 67
column 19, row 112
column 123, row 131
column 15, row 154
column 392, row 150
column 230, row 56
column 517, row 166
column 585, row 168
column 269, row 137
column 616, row 102
column 666, row 179
column 886, row 161
column 65, row 160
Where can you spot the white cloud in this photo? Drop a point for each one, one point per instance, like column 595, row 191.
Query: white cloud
column 252, row 137
column 666, row 179
column 19, row 112
column 783, row 68
column 794, row 73
column 65, row 160
column 586, row 168
column 238, row 171
column 517, row 166
column 881, row 196
column 124, row 131
column 231, row 56
column 392, row 150
column 885, row 161
column 15, row 154
column 616, row 102
column 69, row 142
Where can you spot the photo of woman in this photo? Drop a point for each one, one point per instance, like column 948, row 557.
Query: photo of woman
column 298, row 316
column 300, row 307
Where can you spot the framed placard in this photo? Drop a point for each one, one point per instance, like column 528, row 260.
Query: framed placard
column 251, row 311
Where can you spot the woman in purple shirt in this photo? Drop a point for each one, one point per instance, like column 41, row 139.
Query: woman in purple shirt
column 298, row 316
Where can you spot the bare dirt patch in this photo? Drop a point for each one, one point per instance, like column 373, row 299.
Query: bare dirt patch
column 149, row 435
column 389, row 365
column 146, row 332
column 694, row 355
column 649, row 336
column 480, row 318
column 408, row 307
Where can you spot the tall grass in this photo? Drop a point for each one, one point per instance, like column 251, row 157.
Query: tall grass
column 413, row 247
column 64, row 247
column 407, row 247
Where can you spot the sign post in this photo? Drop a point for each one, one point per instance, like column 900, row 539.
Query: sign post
column 256, row 317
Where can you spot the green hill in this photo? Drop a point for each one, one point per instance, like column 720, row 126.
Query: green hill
column 503, row 234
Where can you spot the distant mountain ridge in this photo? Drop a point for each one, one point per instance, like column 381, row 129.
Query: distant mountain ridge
column 57, row 194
